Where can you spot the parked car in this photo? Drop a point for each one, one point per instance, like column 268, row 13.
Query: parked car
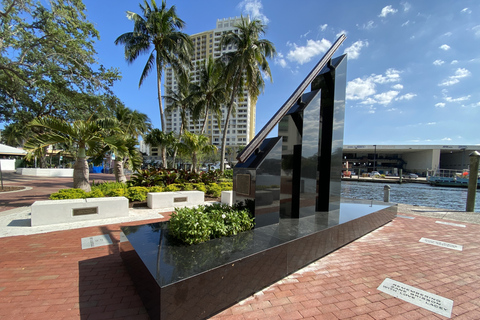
column 374, row 174
column 411, row 176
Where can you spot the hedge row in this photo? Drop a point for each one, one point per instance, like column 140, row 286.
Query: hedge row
column 116, row 189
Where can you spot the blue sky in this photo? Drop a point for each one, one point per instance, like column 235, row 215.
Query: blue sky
column 413, row 74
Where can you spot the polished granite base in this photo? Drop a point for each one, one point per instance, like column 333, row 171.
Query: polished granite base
column 176, row 281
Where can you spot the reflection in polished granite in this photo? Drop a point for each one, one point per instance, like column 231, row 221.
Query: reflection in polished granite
column 177, row 281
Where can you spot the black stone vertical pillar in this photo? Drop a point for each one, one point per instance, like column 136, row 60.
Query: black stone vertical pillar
column 332, row 84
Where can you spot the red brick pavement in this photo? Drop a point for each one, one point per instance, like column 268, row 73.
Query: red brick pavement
column 49, row 276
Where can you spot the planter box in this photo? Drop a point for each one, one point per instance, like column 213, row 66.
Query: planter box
column 49, row 212
column 54, row 172
column 177, row 199
column 176, row 281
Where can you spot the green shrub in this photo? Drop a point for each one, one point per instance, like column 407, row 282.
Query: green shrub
column 172, row 187
column 214, row 190
column 146, row 178
column 155, row 189
column 105, row 187
column 200, row 187
column 137, row 193
column 68, row 194
column 120, row 192
column 188, row 187
column 95, row 193
column 226, row 186
column 196, row 225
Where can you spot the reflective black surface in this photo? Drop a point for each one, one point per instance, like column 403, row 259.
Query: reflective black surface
column 257, row 182
column 177, row 281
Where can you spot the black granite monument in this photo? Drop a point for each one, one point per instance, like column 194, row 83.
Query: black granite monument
column 292, row 184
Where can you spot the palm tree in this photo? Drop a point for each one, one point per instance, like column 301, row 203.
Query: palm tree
column 157, row 32
column 133, row 124
column 87, row 136
column 246, row 65
column 157, row 137
column 193, row 145
column 180, row 99
column 209, row 94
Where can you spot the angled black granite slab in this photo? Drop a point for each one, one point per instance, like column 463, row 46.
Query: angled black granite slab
column 177, row 281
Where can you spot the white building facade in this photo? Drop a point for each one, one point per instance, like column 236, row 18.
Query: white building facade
column 241, row 127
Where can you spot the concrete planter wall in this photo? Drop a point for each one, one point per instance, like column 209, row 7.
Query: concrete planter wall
column 53, row 172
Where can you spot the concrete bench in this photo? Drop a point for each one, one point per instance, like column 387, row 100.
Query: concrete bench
column 175, row 199
column 227, row 197
column 73, row 210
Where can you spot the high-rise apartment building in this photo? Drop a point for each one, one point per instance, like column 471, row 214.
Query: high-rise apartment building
column 242, row 124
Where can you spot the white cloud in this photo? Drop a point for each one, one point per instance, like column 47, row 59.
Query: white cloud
column 386, row 10
column 476, row 31
column 454, row 62
column 354, row 50
column 459, row 74
column 431, row 123
column 360, row 89
column 367, row 26
column 305, row 34
column 408, row 96
column 448, row 82
column 323, row 27
column 466, row 10
column 446, row 139
column 406, row 23
column 459, row 99
column 398, row 86
column 406, row 6
column 391, row 75
column 444, row 47
column 341, row 32
column 440, row 105
column 280, row 60
column 303, row 54
column 254, row 9
column 438, row 62
column 386, row 97
column 447, row 34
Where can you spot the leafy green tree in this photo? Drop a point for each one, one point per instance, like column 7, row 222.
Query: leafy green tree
column 246, row 66
column 193, row 145
column 157, row 32
column 210, row 93
column 47, row 62
column 87, row 136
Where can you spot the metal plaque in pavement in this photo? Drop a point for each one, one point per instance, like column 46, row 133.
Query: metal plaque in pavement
column 123, row 237
column 442, row 244
column 96, row 241
column 405, row 217
column 418, row 297
column 451, row 224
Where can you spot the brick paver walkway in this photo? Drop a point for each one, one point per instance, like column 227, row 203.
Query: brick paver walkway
column 49, row 276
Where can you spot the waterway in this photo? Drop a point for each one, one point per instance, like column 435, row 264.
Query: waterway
column 411, row 193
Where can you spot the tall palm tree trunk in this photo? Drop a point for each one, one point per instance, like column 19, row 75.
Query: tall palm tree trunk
column 118, row 169
column 227, row 120
column 160, row 107
column 81, row 174
column 204, row 122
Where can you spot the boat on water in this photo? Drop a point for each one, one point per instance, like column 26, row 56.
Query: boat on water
column 451, row 178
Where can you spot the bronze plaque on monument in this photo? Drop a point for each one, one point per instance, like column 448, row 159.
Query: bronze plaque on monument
column 243, row 184
column 84, row 211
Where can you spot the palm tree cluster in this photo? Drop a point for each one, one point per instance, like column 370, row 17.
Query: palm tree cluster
column 158, row 32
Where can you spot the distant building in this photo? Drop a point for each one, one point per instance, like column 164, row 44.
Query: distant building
column 242, row 124
column 410, row 158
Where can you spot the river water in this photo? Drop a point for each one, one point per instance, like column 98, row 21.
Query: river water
column 411, row 193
